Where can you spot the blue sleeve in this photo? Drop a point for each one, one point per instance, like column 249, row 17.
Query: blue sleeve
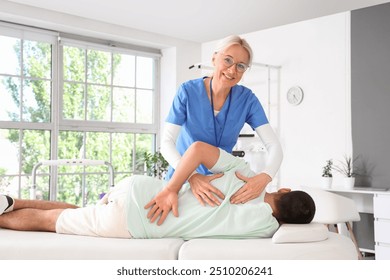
column 178, row 112
column 256, row 115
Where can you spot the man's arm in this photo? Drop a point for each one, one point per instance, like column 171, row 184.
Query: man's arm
column 198, row 153
column 167, row 200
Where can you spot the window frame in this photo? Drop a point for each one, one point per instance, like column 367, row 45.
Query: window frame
column 57, row 123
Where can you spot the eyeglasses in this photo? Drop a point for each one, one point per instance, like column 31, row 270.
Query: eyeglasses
column 229, row 62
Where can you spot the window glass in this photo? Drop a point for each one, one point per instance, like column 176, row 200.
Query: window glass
column 122, row 151
column 35, row 148
column 70, row 188
column 124, row 70
column 124, row 105
column 74, row 101
column 92, row 106
column 36, row 101
column 9, row 143
column 10, row 55
column 144, row 144
column 97, row 146
column 71, row 145
column 42, row 185
column 95, row 187
column 32, row 101
column 21, row 151
column 74, row 64
column 36, row 59
column 144, row 106
column 99, row 67
column 10, row 92
column 98, row 103
column 145, row 67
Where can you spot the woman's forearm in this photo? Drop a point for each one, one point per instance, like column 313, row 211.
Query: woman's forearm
column 168, row 144
column 274, row 149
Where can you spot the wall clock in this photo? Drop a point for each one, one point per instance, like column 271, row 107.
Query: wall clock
column 295, row 95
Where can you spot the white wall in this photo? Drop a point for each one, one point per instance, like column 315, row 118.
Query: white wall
column 315, row 55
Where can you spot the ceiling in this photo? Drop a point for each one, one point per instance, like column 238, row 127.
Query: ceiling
column 200, row 20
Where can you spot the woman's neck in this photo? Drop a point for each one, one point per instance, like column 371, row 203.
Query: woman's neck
column 219, row 94
column 219, row 90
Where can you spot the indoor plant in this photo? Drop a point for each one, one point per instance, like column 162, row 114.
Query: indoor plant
column 327, row 176
column 155, row 164
column 345, row 168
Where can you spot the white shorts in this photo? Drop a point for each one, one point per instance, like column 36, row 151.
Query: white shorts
column 105, row 219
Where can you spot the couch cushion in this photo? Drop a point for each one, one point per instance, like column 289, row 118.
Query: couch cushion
column 335, row 247
column 288, row 233
column 45, row 245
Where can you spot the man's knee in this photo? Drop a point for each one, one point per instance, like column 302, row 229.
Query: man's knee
column 51, row 218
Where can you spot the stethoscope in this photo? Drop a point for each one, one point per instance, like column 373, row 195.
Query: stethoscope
column 218, row 141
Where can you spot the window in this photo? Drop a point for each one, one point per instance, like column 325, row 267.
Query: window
column 67, row 99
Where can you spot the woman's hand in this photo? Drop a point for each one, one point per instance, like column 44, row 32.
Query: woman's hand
column 204, row 191
column 252, row 188
column 165, row 201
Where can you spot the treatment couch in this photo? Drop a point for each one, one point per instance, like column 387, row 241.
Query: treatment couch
column 15, row 245
column 300, row 242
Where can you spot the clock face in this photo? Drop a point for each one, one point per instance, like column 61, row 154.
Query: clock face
column 295, row 95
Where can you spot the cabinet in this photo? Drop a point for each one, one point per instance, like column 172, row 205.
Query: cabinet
column 382, row 226
column 375, row 202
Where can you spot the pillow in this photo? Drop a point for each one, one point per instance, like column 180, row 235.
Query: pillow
column 293, row 233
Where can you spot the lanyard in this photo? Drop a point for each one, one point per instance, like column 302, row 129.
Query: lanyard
column 218, row 141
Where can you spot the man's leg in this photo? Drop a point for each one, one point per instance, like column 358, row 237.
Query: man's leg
column 41, row 204
column 40, row 215
column 8, row 204
column 31, row 219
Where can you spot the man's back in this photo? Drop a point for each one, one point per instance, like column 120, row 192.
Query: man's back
column 249, row 220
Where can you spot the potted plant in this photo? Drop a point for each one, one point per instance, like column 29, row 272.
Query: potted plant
column 155, row 164
column 345, row 168
column 327, row 176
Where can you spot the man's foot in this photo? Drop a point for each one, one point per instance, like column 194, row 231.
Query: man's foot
column 6, row 203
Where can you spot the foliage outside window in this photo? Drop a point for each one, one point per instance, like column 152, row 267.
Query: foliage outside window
column 97, row 103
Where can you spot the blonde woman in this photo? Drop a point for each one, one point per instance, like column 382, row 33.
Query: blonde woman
column 214, row 110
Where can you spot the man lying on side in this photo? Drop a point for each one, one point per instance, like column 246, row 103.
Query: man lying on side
column 130, row 209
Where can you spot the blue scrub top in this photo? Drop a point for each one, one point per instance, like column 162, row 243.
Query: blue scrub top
column 191, row 109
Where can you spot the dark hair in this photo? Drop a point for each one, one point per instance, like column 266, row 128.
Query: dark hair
column 295, row 207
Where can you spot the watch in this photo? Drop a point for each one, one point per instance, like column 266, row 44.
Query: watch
column 295, row 95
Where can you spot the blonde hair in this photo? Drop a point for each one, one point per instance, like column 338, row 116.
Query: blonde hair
column 234, row 40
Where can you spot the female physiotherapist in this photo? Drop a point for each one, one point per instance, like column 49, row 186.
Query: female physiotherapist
column 214, row 110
